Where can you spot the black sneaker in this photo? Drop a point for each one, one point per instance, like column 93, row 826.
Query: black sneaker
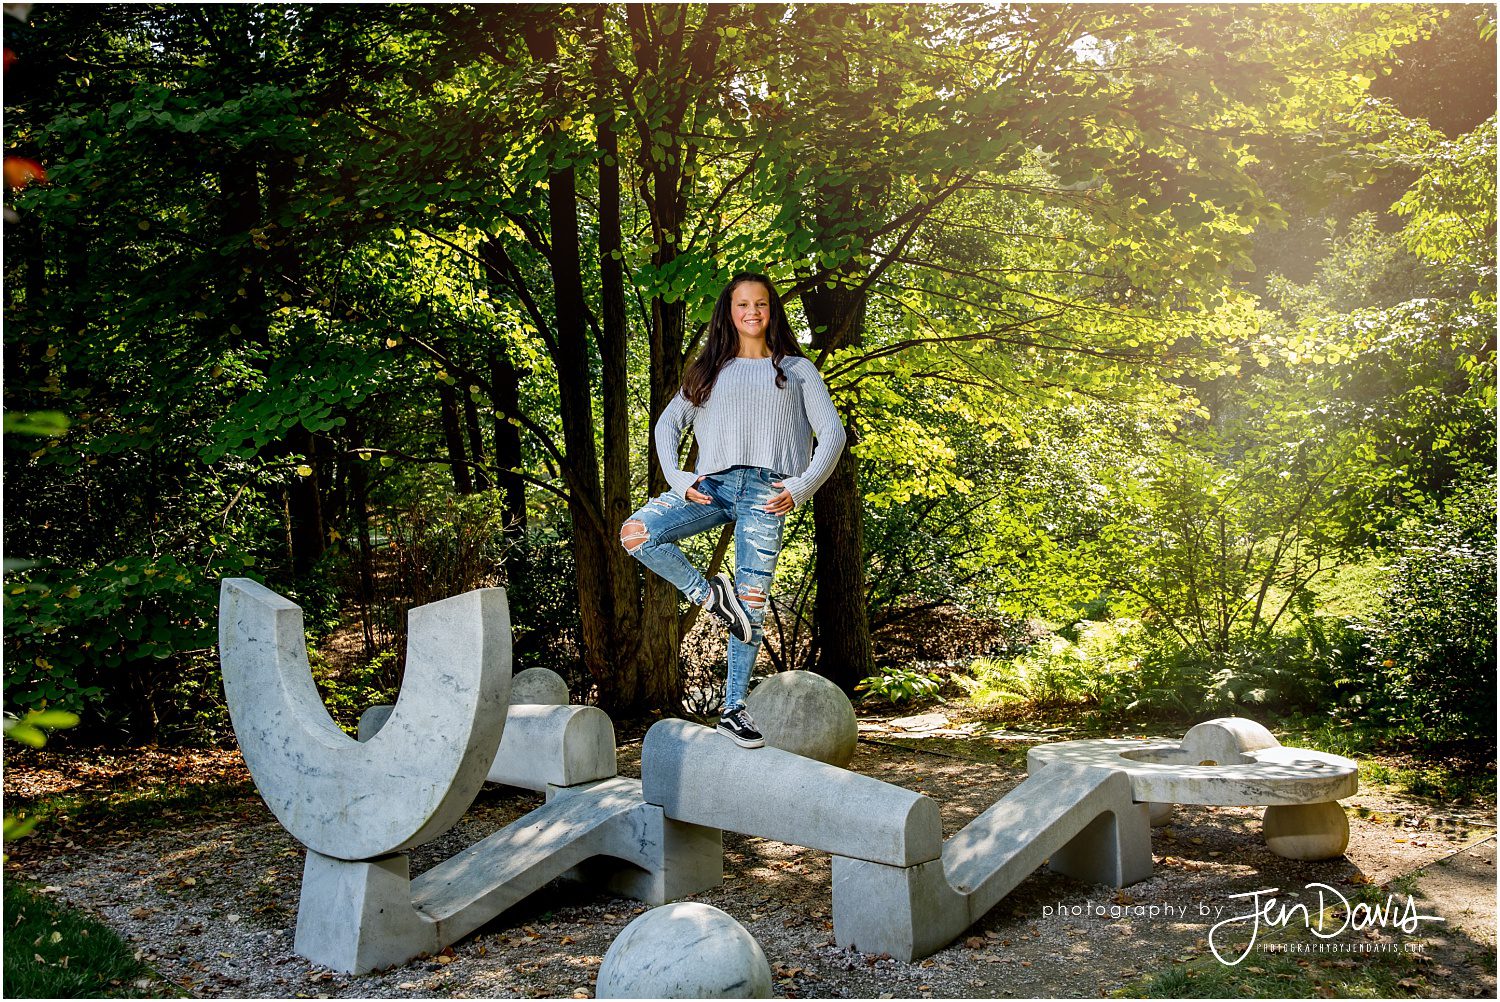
column 737, row 726
column 723, row 603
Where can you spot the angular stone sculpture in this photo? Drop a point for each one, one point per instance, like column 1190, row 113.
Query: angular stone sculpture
column 688, row 950
column 806, row 714
column 697, row 775
column 358, row 804
column 897, row 888
column 1231, row 762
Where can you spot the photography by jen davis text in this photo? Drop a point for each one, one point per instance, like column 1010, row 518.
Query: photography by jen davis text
column 1323, row 910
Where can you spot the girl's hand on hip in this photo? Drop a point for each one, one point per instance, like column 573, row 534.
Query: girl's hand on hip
column 782, row 503
column 696, row 496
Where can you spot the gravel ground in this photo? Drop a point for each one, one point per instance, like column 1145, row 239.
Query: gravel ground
column 212, row 904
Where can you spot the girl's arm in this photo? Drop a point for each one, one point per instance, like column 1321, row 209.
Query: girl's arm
column 827, row 429
column 675, row 418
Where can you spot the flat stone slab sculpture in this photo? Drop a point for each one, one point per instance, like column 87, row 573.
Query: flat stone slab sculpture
column 689, row 950
column 1231, row 762
column 357, row 805
column 897, row 888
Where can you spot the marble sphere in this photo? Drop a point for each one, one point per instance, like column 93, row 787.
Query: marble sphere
column 541, row 686
column 805, row 714
column 687, row 950
column 1306, row 831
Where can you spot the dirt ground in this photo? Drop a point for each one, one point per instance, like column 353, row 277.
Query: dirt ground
column 210, row 898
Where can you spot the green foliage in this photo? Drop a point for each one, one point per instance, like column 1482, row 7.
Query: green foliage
column 116, row 630
column 1432, row 644
column 900, row 685
column 289, row 306
column 348, row 693
column 53, row 952
column 1053, row 674
column 31, row 730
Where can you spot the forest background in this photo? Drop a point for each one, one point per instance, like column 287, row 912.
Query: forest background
column 1164, row 336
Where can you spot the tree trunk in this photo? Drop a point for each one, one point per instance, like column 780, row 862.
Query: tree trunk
column 593, row 539
column 505, row 390
column 476, row 439
column 840, row 615
column 505, row 382
column 453, row 437
column 645, row 614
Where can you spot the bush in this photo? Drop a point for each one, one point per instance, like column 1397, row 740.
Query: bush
column 110, row 641
column 1126, row 668
column 1055, row 672
column 898, row 685
column 1432, row 644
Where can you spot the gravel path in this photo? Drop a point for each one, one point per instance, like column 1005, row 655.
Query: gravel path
column 212, row 904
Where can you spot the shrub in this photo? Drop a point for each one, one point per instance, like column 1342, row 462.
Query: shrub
column 1432, row 644
column 899, row 685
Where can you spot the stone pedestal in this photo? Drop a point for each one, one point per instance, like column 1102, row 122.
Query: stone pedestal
column 1306, row 831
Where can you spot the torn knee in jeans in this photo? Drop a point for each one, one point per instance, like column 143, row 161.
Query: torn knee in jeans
column 753, row 598
column 633, row 535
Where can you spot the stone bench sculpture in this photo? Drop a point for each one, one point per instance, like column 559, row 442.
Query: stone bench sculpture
column 358, row 805
column 1231, row 762
column 897, row 887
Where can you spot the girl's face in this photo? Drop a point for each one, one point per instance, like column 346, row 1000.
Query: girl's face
column 750, row 307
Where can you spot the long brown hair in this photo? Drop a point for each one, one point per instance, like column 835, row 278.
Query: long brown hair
column 723, row 342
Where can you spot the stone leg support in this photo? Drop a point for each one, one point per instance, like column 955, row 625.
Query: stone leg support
column 678, row 859
column 1082, row 817
column 1114, row 849
column 1306, row 831
column 357, row 916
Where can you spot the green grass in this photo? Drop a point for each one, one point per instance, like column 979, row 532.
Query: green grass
column 52, row 951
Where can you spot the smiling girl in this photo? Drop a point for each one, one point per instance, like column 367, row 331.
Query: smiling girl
column 768, row 436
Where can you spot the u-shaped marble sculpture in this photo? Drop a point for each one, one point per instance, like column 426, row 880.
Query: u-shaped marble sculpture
column 357, row 805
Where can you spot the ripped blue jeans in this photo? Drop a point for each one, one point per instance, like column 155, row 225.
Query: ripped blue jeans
column 739, row 495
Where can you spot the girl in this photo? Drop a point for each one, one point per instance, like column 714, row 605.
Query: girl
column 755, row 403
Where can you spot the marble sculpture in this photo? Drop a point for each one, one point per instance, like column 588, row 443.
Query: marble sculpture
column 898, row 886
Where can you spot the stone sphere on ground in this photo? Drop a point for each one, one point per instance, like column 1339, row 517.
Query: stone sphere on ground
column 1306, row 831
column 538, row 686
column 804, row 713
column 1161, row 814
column 686, row 950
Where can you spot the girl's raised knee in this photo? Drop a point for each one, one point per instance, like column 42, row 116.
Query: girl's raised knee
column 633, row 535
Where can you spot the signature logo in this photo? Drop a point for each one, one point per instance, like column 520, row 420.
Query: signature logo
column 1268, row 912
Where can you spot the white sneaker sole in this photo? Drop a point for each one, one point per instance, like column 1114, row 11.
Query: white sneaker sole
column 736, row 610
column 742, row 742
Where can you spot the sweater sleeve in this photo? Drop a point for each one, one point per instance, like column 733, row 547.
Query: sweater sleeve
column 675, row 418
column 827, row 430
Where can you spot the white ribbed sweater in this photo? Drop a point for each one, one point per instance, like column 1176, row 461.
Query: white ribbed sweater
column 749, row 421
